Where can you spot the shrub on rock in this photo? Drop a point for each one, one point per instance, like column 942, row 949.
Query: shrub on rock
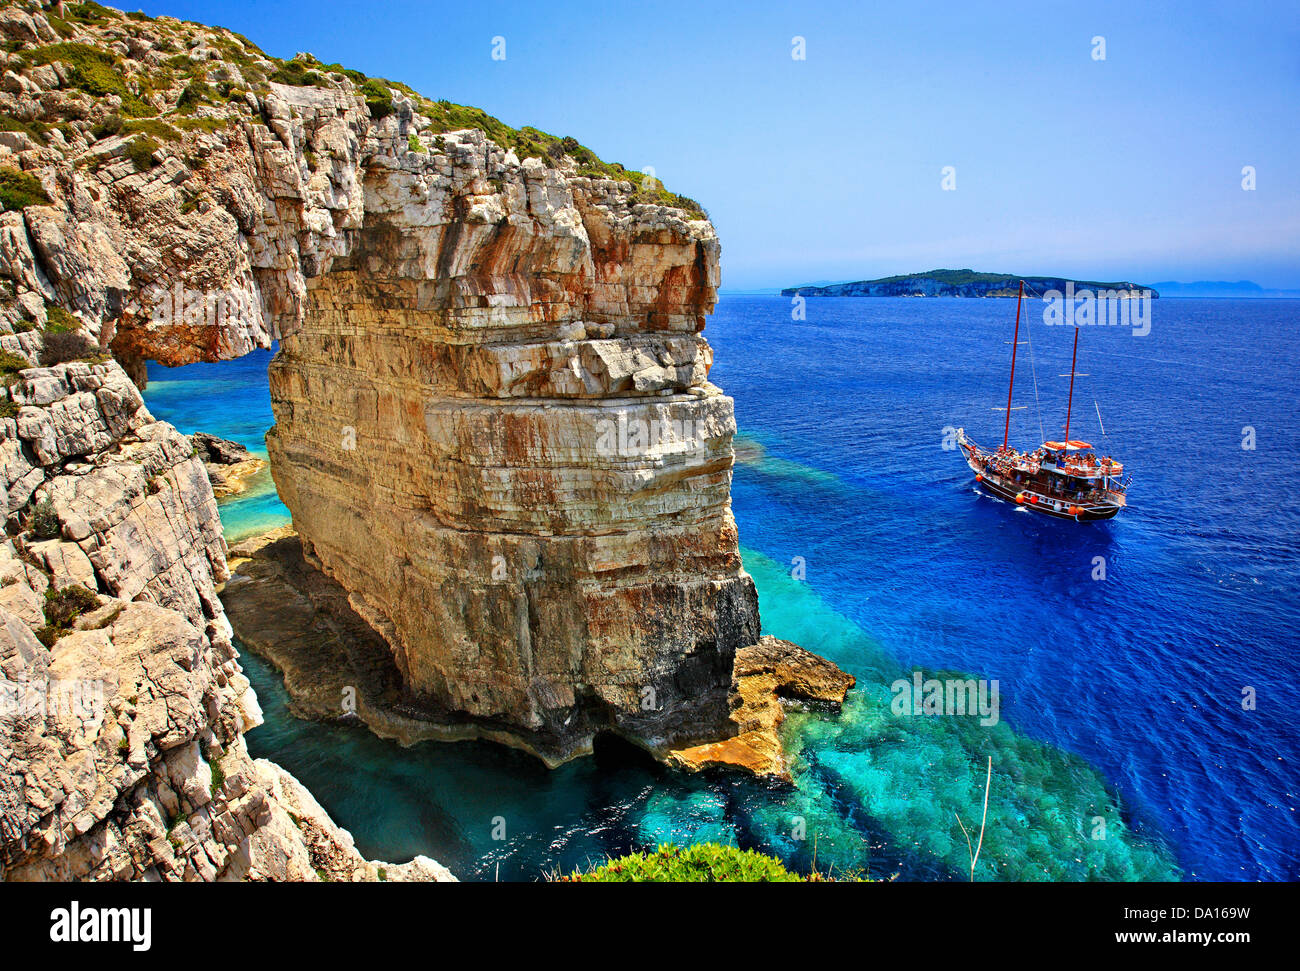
column 43, row 521
column 701, row 863
column 63, row 346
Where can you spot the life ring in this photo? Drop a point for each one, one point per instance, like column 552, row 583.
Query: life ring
column 1034, row 500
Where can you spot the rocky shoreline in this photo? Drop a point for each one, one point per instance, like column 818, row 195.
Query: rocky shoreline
column 768, row 677
column 122, row 705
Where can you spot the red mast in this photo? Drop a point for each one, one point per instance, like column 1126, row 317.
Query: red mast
column 1014, row 341
column 1070, row 405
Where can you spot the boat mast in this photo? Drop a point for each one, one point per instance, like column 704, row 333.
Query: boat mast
column 1014, row 341
column 1070, row 404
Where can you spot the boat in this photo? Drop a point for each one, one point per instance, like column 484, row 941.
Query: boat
column 1065, row 479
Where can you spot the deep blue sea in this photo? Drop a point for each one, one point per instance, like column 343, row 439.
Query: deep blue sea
column 1146, row 714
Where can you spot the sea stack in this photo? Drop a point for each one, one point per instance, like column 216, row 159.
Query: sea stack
column 494, row 427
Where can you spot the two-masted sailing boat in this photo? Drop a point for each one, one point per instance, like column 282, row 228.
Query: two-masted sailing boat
column 1065, row 479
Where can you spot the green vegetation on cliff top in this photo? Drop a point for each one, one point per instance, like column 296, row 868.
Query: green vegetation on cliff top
column 91, row 70
column 100, row 72
column 526, row 142
column 961, row 278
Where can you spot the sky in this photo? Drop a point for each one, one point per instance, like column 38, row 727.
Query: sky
column 832, row 167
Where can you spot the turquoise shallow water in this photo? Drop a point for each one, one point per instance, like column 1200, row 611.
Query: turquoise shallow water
column 875, row 793
column 231, row 400
column 1119, row 700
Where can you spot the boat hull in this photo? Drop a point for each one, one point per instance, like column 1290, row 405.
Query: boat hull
column 1035, row 501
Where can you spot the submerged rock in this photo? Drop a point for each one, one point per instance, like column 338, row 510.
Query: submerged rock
column 768, row 676
column 218, row 451
column 230, row 465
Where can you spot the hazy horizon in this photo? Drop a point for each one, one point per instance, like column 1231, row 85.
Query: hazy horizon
column 1265, row 291
column 831, row 167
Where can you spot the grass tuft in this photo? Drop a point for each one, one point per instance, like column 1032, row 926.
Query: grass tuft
column 379, row 99
column 141, row 153
column 58, row 320
column 43, row 523
column 18, row 190
column 11, row 363
column 62, row 608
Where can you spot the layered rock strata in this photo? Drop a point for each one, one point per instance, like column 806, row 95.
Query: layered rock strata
column 495, row 429
column 337, row 669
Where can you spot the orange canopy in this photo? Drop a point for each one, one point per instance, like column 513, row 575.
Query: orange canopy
column 1070, row 445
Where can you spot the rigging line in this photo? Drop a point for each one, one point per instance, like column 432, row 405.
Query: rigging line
column 1033, row 370
column 1104, row 436
column 1029, row 334
column 1034, row 290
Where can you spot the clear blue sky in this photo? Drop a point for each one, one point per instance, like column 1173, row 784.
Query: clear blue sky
column 830, row 168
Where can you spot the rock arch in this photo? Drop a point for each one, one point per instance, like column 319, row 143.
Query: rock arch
column 494, row 424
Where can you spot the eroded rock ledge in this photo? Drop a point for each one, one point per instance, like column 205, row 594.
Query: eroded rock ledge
column 768, row 676
column 336, row 668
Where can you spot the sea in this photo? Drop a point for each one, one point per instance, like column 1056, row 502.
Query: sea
column 1144, row 669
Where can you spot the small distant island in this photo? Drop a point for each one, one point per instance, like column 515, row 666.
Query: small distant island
column 957, row 283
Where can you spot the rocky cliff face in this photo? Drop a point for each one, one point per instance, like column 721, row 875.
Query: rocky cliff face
column 494, row 425
column 122, row 706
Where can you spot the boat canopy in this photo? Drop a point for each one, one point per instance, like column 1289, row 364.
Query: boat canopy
column 1069, row 446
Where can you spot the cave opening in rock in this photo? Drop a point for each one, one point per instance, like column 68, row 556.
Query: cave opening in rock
column 613, row 752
